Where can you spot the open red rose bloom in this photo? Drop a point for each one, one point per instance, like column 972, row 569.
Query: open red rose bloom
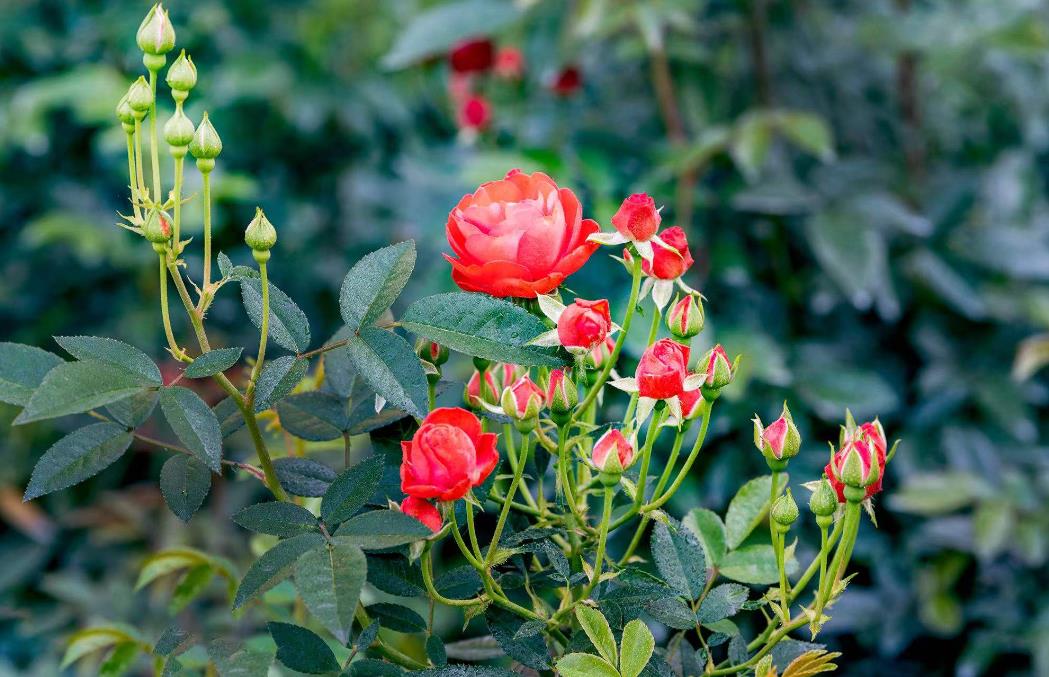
column 447, row 456
column 520, row 236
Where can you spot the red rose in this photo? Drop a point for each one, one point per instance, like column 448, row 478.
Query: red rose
column 475, row 112
column 447, row 456
column 520, row 236
column 669, row 264
column 869, row 443
column 523, row 399
column 567, row 81
column 424, row 511
column 473, row 389
column 662, row 370
column 584, row 324
column 472, row 56
column 637, row 218
column 509, row 63
column 613, row 444
column 690, row 401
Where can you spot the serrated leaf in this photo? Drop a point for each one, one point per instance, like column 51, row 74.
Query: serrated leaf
column 112, row 351
column 329, row 579
column 169, row 561
column 679, row 558
column 171, row 639
column 278, row 378
column 380, row 529
column 194, row 423
column 809, row 132
column 315, row 416
column 435, row 30
column 672, row 612
column 596, row 627
column 481, row 326
column 232, row 659
column 707, row 525
column 754, row 565
column 277, row 518
column 638, row 644
column 302, row 650
column 303, row 476
column 435, row 650
column 213, row 362
column 131, row 412
column 364, row 418
column 529, row 650
column 22, row 368
column 747, row 509
column 371, row 667
column 288, row 325
column 191, row 585
column 391, row 368
column 722, row 602
column 184, row 483
column 89, row 640
column 374, row 283
column 350, row 490
column 229, row 416
column 75, row 387
column 79, row 455
column 585, row 665
column 396, row 617
column 274, row 566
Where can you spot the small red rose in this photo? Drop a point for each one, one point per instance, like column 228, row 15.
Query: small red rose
column 447, row 456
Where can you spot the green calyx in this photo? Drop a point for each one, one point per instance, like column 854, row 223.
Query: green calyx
column 823, row 502
column 139, row 96
column 124, row 112
column 182, row 75
column 156, row 35
column 157, row 227
column 785, row 510
column 206, row 144
column 686, row 318
column 260, row 234
column 178, row 130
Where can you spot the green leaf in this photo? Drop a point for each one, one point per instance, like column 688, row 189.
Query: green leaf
column 482, row 326
column 232, row 659
column 679, row 558
column 135, row 410
column 302, row 650
column 114, row 352
column 371, row 667
column 396, row 617
column 711, row 532
column 391, row 368
column 194, row 424
column 213, row 362
column 278, row 378
column 638, row 645
column 90, row 640
column 120, row 659
column 750, row 144
column 75, row 387
column 303, row 476
column 190, row 587
column 350, row 490
column 170, row 640
column 374, row 283
column 79, row 455
column 747, row 509
column 329, row 579
column 585, row 665
column 274, row 566
column 289, row 327
column 314, row 416
column 435, row 30
column 184, row 483
column 530, row 650
column 597, row 629
column 754, row 565
column 380, row 529
column 809, row 132
column 435, row 650
column 229, row 417
column 364, row 418
column 672, row 612
column 169, row 561
column 723, row 601
column 22, row 368
column 277, row 518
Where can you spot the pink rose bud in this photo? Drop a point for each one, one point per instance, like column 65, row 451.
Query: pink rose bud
column 424, row 511
column 719, row 370
column 637, row 219
column 522, row 401
column 473, row 389
column 475, row 113
column 691, row 401
column 561, row 393
column 613, row 453
column 600, row 353
column 669, row 264
column 855, row 470
column 662, row 370
column 686, row 318
column 472, row 56
column 448, row 455
column 509, row 63
column 779, row 441
column 584, row 324
column 432, row 352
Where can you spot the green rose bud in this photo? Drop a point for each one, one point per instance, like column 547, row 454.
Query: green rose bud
column 156, row 35
column 823, row 503
column 260, row 235
column 685, row 318
column 431, row 351
column 785, row 510
column 178, row 132
column 125, row 114
column 182, row 76
column 157, row 228
column 206, row 144
column 140, row 97
column 561, row 396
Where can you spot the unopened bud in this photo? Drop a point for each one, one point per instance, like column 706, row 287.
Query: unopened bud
column 126, row 115
column 206, row 144
column 157, row 227
column 178, row 132
column 182, row 76
column 561, row 396
column 156, row 35
column 823, row 503
column 612, row 454
column 785, row 510
column 522, row 402
column 431, row 351
column 686, row 318
column 260, row 235
column 140, row 97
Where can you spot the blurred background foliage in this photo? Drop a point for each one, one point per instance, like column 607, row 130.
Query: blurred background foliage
column 863, row 184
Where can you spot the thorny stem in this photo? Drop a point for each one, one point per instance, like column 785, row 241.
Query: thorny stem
column 165, row 313
column 493, row 547
column 602, row 541
column 427, row 569
column 264, row 331
column 851, row 525
column 131, row 176
column 143, row 193
column 176, row 226
column 206, row 177
column 154, row 152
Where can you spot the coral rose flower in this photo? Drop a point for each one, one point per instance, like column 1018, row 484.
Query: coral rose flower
column 613, row 452
column 584, row 324
column 447, row 456
column 662, row 370
column 424, row 511
column 520, row 236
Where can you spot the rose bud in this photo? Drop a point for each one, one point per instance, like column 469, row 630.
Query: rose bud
column 509, row 373
column 662, row 370
column 181, row 77
column 157, row 229
column 260, row 235
column 474, row 55
column 637, row 219
column 206, row 145
column 691, row 404
column 126, row 115
column 474, row 113
column 567, row 81
column 561, row 395
column 520, row 237
column 473, row 389
column 431, row 351
column 509, row 63
column 600, row 353
column 784, row 511
column 855, row 470
column 612, row 454
column 823, row 503
column 584, row 324
column 424, row 511
column 669, row 262
column 719, row 371
column 156, row 35
column 447, row 456
column 779, row 441
column 140, row 97
column 522, row 402
column 178, row 132
column 685, row 318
